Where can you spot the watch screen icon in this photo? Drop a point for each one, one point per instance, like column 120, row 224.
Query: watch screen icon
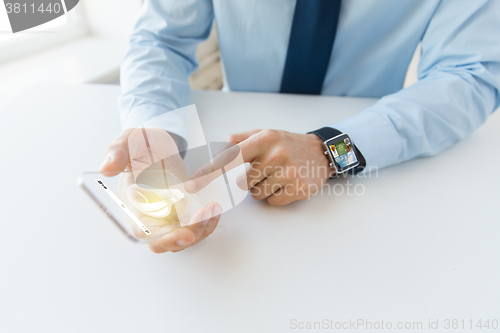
column 334, row 151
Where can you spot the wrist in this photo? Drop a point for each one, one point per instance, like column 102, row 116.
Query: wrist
column 314, row 138
column 321, row 157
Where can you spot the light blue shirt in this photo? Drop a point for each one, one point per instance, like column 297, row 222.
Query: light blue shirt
column 459, row 70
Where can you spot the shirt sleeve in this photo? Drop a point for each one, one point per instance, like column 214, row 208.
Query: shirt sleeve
column 458, row 88
column 161, row 56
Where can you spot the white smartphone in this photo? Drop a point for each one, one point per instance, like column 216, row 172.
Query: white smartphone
column 154, row 202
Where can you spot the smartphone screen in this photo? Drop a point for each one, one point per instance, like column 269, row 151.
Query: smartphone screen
column 154, row 202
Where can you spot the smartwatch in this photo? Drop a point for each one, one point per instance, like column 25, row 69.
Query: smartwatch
column 340, row 151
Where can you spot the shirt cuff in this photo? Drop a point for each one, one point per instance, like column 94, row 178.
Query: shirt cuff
column 148, row 115
column 375, row 137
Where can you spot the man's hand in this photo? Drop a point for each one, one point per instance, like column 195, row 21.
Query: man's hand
column 285, row 166
column 137, row 150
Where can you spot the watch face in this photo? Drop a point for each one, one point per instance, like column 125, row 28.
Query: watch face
column 342, row 151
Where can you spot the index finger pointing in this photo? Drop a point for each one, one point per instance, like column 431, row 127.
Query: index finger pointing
column 224, row 161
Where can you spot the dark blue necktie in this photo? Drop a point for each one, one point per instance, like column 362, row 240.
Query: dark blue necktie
column 311, row 40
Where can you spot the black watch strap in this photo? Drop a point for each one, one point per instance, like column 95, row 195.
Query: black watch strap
column 326, row 133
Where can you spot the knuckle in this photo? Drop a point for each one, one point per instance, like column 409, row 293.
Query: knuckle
column 253, row 182
column 256, row 193
column 275, row 188
column 288, row 189
column 269, row 135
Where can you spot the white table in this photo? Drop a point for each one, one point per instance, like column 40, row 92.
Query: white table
column 421, row 243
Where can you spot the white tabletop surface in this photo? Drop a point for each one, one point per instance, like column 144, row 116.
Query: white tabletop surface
column 422, row 243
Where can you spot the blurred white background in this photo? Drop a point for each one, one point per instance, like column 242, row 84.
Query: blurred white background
column 87, row 45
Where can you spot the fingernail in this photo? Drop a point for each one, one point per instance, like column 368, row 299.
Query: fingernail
column 190, row 186
column 205, row 217
column 183, row 242
column 106, row 161
column 216, row 210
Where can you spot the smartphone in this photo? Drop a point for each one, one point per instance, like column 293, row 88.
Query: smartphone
column 154, row 202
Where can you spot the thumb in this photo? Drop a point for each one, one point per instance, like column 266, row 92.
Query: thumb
column 241, row 136
column 116, row 155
